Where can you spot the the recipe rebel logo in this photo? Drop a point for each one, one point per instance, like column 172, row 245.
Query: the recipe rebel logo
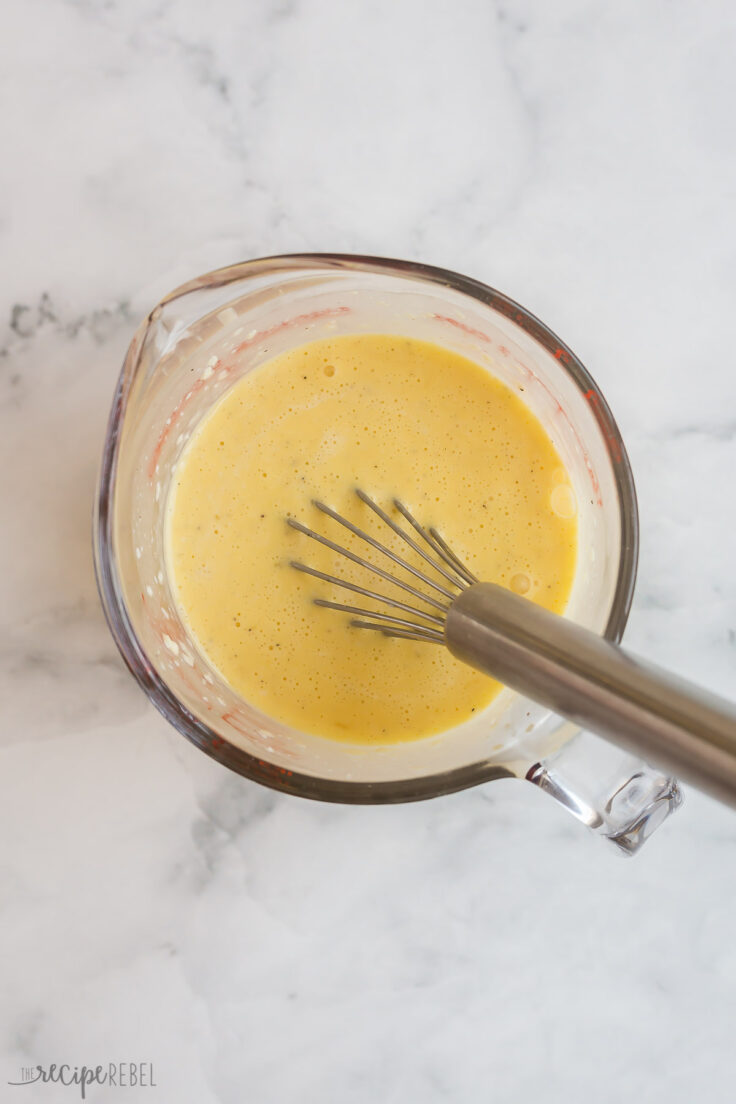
column 115, row 1075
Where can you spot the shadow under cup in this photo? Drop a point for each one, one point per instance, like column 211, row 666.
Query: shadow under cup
column 192, row 348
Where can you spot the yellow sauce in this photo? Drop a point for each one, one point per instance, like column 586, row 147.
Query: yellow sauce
column 398, row 418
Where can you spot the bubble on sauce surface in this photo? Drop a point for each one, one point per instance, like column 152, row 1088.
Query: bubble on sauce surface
column 562, row 501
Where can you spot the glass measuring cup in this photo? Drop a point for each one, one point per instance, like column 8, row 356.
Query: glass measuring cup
column 211, row 331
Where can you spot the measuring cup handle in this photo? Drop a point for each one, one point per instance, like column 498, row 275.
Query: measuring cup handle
column 615, row 794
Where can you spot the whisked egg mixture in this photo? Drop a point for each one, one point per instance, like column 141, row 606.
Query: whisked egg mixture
column 396, row 417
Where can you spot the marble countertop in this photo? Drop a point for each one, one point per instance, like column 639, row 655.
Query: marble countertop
column 254, row 947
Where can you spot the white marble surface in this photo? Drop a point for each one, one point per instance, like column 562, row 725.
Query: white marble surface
column 580, row 156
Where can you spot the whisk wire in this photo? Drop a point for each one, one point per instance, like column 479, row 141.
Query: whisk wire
column 443, row 547
column 379, row 615
column 335, row 581
column 405, row 536
column 444, row 553
column 404, row 634
column 380, row 547
column 389, row 578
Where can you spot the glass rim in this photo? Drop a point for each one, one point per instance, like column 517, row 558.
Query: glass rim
column 110, row 590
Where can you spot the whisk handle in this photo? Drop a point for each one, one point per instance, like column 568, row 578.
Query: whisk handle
column 670, row 722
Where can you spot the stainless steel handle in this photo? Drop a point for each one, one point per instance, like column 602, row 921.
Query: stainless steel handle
column 670, row 722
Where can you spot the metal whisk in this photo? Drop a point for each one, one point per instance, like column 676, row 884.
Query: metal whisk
column 432, row 624
column 561, row 665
